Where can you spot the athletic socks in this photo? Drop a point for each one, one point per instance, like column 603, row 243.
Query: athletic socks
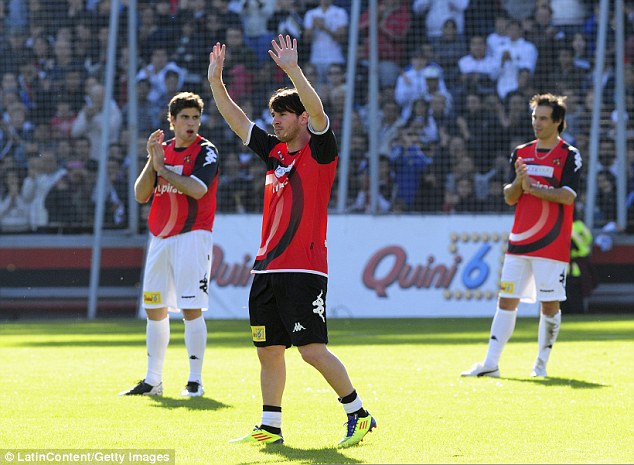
column 547, row 334
column 196, row 342
column 501, row 331
column 157, row 336
column 352, row 404
column 271, row 419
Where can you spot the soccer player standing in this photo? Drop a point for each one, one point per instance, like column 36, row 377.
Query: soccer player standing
column 182, row 176
column 543, row 189
column 287, row 301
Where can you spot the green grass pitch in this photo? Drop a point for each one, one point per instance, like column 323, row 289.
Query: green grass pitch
column 59, row 383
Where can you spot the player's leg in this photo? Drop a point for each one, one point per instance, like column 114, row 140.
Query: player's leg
column 302, row 303
column 271, row 340
column 192, row 267
column 196, row 343
column 158, row 295
column 552, row 279
column 516, row 283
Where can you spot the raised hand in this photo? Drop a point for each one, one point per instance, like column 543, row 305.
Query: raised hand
column 284, row 54
column 155, row 149
column 216, row 62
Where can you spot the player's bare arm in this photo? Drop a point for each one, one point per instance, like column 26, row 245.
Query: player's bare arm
column 144, row 184
column 513, row 191
column 557, row 195
column 230, row 111
column 284, row 54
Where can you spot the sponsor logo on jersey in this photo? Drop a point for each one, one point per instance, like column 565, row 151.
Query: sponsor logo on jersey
column 319, row 307
column 298, row 327
column 540, row 170
column 281, row 171
column 507, row 287
column 152, row 298
column 258, row 333
column 166, row 189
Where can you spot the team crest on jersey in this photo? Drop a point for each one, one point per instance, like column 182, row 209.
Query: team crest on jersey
column 152, row 298
column 187, row 159
column 557, row 162
column 258, row 333
column 282, row 171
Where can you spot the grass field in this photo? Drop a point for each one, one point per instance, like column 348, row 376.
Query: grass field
column 59, row 382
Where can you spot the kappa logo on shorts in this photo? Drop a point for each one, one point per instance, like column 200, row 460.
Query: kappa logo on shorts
column 152, row 298
column 258, row 333
column 319, row 306
column 204, row 283
column 298, row 327
column 507, row 287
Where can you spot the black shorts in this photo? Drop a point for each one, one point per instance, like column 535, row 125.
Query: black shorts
column 288, row 309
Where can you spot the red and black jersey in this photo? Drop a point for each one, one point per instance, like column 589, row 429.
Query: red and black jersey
column 173, row 212
column 296, row 196
column 541, row 228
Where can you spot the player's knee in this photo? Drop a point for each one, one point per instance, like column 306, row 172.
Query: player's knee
column 313, row 354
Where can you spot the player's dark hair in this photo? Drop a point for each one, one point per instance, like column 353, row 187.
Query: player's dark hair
column 286, row 100
column 558, row 105
column 184, row 100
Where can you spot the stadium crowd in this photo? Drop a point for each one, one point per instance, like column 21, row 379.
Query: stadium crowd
column 455, row 80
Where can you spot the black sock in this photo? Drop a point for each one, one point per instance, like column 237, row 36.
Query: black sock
column 349, row 398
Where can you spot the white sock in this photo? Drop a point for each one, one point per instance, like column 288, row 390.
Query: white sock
column 547, row 334
column 273, row 419
column 501, row 331
column 353, row 406
column 196, row 341
column 157, row 336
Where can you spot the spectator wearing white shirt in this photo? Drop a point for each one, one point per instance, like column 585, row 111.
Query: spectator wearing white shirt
column 155, row 73
column 516, row 54
column 326, row 28
column 477, row 69
column 439, row 11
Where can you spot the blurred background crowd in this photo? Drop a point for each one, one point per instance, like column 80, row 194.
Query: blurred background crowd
column 455, row 79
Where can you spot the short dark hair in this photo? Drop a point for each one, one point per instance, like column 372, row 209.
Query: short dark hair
column 184, row 100
column 558, row 105
column 286, row 100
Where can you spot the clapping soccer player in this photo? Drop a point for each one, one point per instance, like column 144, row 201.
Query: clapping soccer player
column 543, row 189
column 181, row 177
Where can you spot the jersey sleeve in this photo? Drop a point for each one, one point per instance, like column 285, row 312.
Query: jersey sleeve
column 572, row 170
column 324, row 146
column 206, row 165
column 261, row 142
column 511, row 176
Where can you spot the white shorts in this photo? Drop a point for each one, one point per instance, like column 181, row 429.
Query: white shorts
column 532, row 278
column 177, row 270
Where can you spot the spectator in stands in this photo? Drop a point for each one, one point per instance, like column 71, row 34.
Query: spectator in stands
column 147, row 117
column 569, row 15
column 423, row 123
column 412, row 83
column 477, row 69
column 288, row 20
column 326, row 27
column 240, row 65
column 499, row 37
column 606, row 198
column 547, row 39
column 155, row 72
column 409, row 162
column 62, row 63
column 448, row 50
column 463, row 200
column 512, row 56
column 566, row 75
column 19, row 130
column 438, row 11
column 255, row 15
column 580, row 47
column 518, row 9
column 335, row 86
column 14, row 208
column 390, row 123
column 90, row 120
column 476, row 126
column 514, row 123
column 43, row 173
column 386, row 191
column 394, row 19
column 61, row 123
column 11, row 47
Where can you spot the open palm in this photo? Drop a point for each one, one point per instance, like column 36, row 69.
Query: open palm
column 216, row 62
column 284, row 53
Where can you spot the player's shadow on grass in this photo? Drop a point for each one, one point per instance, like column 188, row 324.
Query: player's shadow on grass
column 325, row 455
column 192, row 403
column 554, row 381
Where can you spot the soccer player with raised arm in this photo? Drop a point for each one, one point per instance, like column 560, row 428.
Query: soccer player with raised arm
column 543, row 189
column 287, row 301
column 181, row 177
